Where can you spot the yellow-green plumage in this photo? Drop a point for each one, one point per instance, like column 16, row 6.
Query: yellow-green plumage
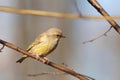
column 44, row 44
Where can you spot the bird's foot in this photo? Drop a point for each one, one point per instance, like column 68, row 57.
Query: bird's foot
column 45, row 60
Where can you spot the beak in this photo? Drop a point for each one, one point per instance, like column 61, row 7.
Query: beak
column 63, row 36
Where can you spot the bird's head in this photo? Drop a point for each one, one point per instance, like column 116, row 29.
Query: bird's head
column 55, row 32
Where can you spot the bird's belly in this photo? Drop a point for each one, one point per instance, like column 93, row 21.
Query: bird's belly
column 43, row 49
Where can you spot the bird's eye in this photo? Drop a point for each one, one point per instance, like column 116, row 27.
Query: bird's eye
column 58, row 35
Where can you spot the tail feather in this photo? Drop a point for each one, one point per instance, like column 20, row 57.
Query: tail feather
column 21, row 60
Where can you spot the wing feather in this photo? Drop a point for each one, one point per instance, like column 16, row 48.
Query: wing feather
column 37, row 41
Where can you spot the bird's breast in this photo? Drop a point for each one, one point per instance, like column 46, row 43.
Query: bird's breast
column 45, row 47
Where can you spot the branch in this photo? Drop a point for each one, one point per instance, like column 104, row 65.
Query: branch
column 51, row 14
column 77, row 7
column 2, row 48
column 47, row 73
column 104, row 34
column 38, row 13
column 99, row 8
column 55, row 73
column 59, row 67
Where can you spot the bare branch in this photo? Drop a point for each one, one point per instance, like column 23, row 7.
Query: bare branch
column 2, row 48
column 104, row 34
column 57, row 73
column 47, row 73
column 38, row 13
column 54, row 74
column 99, row 8
column 59, row 67
column 50, row 73
column 51, row 14
column 77, row 7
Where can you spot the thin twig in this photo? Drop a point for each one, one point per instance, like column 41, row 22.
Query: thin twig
column 99, row 8
column 51, row 14
column 72, row 69
column 47, row 73
column 2, row 48
column 54, row 65
column 54, row 74
column 50, row 73
column 84, row 16
column 77, row 7
column 38, row 13
column 99, row 36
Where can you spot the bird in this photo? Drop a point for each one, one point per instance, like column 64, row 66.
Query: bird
column 44, row 44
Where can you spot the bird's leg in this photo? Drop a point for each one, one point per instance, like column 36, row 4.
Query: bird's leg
column 45, row 60
column 37, row 56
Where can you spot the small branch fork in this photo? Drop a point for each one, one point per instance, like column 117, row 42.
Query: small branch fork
column 113, row 24
column 56, row 73
column 54, row 65
column 99, row 36
column 99, row 8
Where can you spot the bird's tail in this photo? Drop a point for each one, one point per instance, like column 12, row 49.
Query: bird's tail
column 21, row 59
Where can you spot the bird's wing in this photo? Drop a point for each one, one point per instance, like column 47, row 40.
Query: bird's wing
column 37, row 41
